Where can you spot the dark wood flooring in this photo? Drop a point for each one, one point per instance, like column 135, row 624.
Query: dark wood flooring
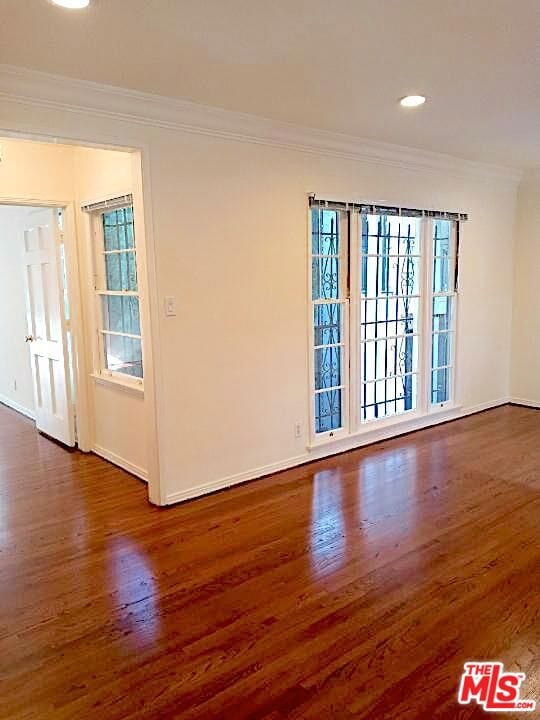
column 353, row 587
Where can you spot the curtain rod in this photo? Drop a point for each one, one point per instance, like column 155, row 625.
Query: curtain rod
column 108, row 204
column 371, row 209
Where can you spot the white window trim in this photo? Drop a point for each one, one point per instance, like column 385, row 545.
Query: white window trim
column 451, row 403
column 344, row 430
column 352, row 427
column 119, row 382
column 101, row 373
column 378, row 431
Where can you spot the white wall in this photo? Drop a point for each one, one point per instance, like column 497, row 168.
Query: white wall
column 231, row 244
column 525, row 385
column 64, row 174
column 228, row 220
column 118, row 428
column 16, row 387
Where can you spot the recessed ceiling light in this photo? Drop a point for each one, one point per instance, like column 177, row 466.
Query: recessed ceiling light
column 72, row 4
column 412, row 100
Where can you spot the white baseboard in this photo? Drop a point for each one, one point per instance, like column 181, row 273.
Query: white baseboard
column 334, row 449
column 259, row 472
column 526, row 403
column 19, row 408
column 473, row 409
column 121, row 462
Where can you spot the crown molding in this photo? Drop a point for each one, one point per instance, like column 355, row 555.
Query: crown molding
column 38, row 89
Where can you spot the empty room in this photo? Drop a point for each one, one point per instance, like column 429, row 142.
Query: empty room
column 269, row 359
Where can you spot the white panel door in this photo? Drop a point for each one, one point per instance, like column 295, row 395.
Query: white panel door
column 47, row 326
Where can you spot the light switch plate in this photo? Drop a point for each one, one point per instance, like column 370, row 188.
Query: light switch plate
column 170, row 306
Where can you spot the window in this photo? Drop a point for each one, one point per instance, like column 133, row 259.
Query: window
column 117, row 294
column 383, row 298
column 444, row 301
column 390, row 295
column 329, row 290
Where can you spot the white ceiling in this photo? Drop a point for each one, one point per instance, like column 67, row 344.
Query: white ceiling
column 338, row 65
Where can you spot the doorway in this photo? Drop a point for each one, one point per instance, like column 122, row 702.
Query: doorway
column 76, row 360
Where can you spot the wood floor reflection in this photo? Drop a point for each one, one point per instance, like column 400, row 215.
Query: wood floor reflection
column 353, row 587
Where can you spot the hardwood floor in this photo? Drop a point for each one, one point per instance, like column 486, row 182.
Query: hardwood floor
column 354, row 587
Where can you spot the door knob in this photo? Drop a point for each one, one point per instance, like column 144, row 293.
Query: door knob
column 28, row 338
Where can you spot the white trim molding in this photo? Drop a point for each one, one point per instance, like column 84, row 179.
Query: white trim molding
column 132, row 388
column 121, row 462
column 231, row 480
column 525, row 403
column 340, row 446
column 18, row 408
column 38, row 89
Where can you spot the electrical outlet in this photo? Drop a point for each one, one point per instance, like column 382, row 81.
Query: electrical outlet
column 297, row 429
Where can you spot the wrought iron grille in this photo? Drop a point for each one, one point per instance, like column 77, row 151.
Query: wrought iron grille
column 377, row 253
column 389, row 315
column 327, row 320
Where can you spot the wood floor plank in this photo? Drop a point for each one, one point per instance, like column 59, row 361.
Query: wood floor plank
column 352, row 587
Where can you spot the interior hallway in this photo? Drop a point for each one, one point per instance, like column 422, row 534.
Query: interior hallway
column 372, row 576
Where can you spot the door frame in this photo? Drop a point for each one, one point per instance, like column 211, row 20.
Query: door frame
column 150, row 310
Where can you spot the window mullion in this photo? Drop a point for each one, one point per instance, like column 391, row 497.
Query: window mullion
column 455, row 300
column 99, row 240
column 344, row 294
column 354, row 321
column 98, row 236
column 426, row 306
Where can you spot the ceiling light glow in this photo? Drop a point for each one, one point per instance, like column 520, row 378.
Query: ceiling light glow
column 72, row 4
column 412, row 100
